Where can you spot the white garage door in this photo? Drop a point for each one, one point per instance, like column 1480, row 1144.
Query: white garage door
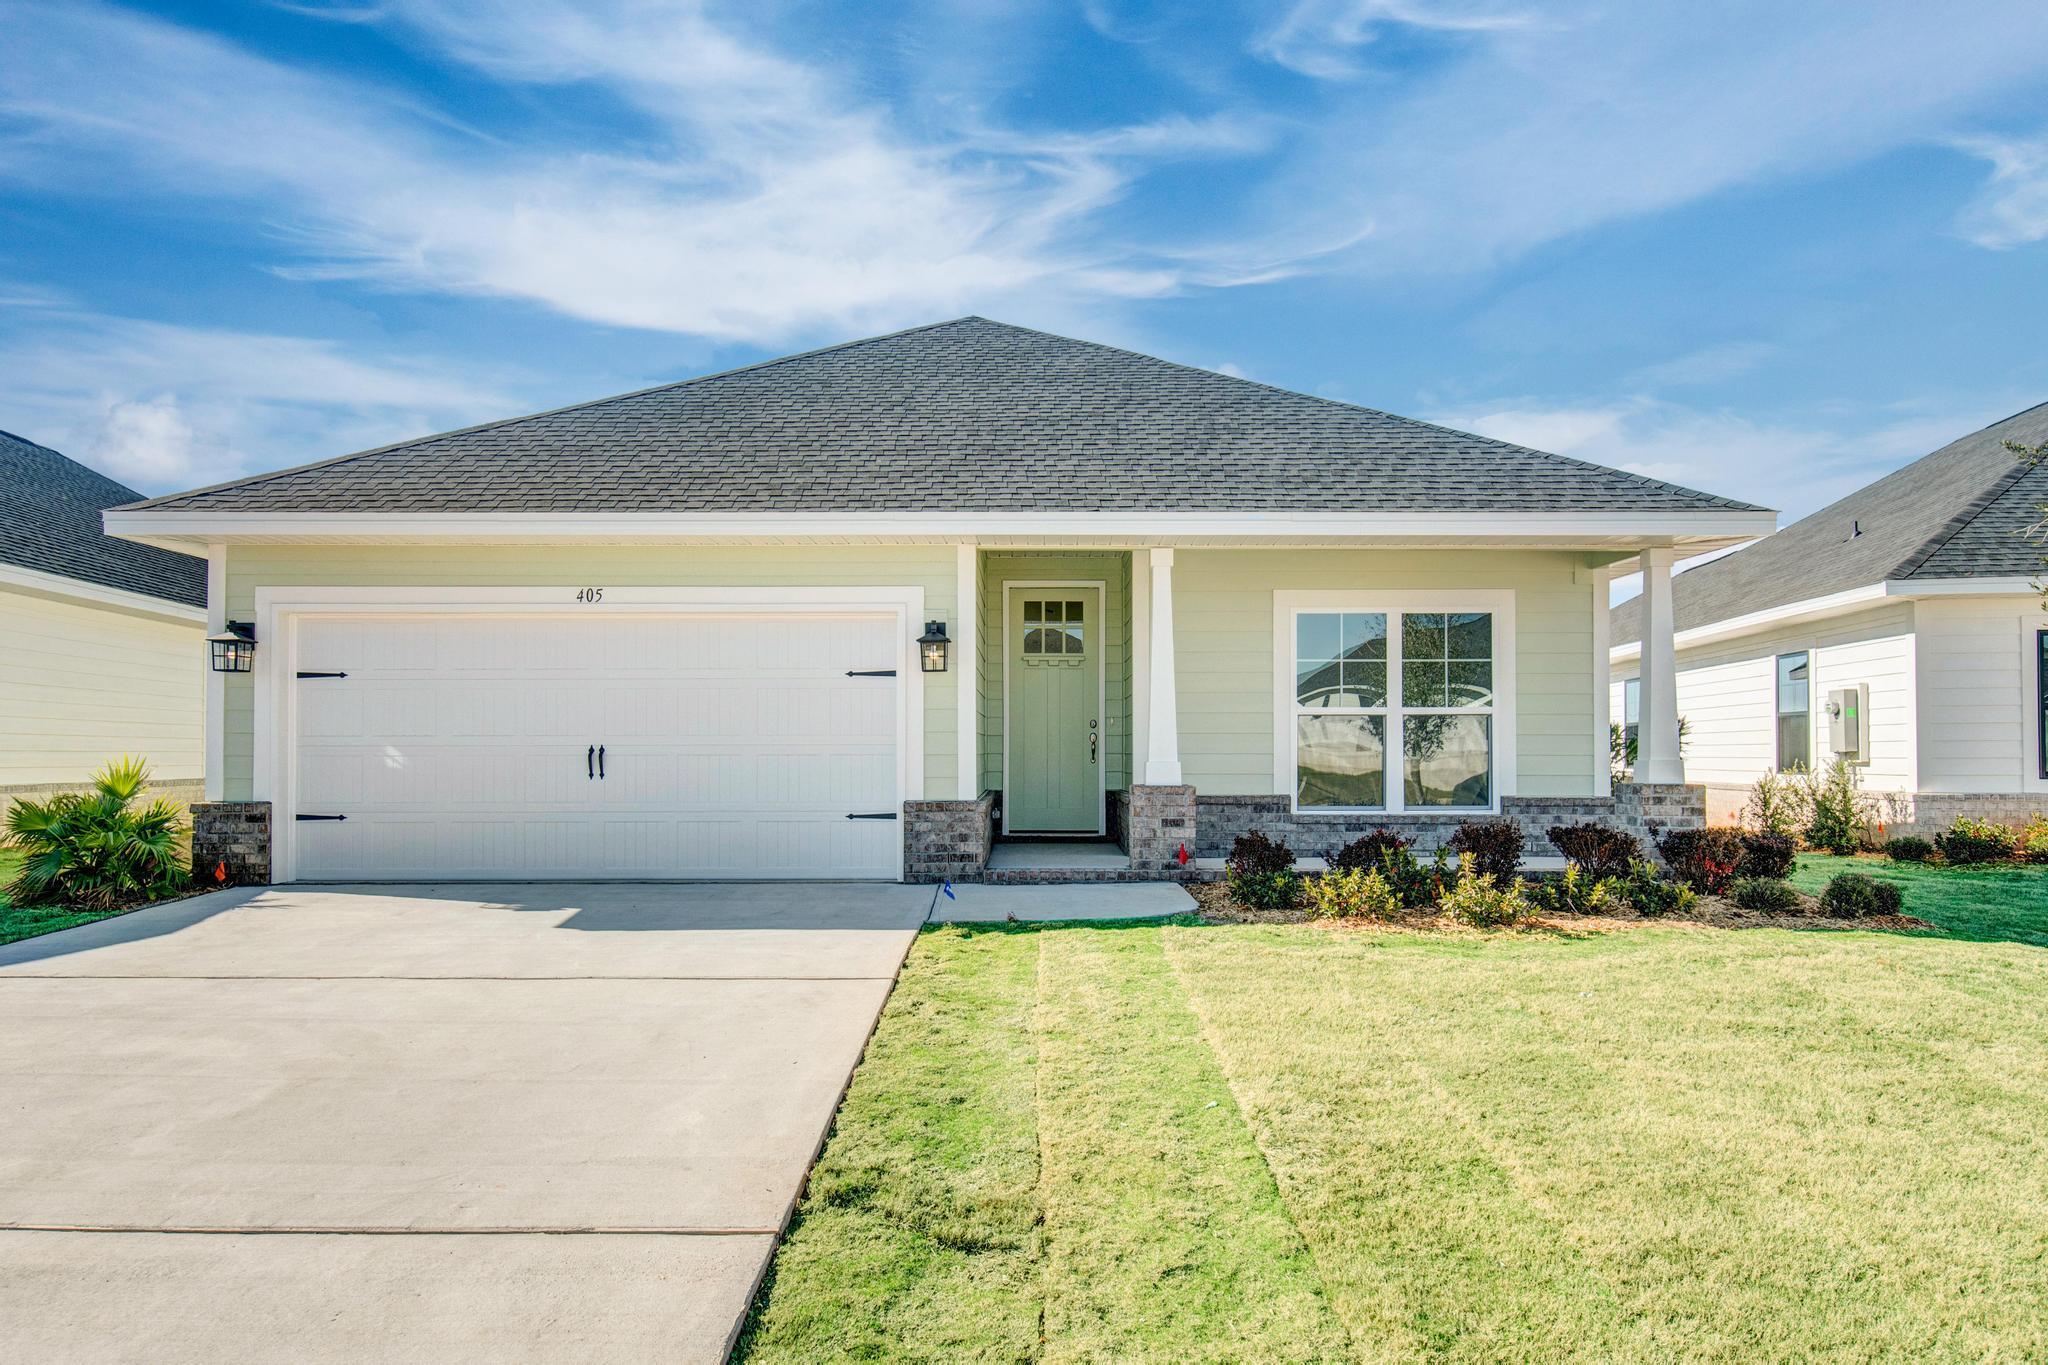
column 612, row 746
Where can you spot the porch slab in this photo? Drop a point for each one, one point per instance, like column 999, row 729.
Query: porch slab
column 1062, row 853
column 985, row 904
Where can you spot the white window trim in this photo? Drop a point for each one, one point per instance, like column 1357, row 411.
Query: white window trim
column 1499, row 603
column 2031, row 778
column 1101, row 589
column 1814, row 761
column 274, row 776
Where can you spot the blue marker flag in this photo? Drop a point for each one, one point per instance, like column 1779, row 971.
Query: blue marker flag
column 947, row 887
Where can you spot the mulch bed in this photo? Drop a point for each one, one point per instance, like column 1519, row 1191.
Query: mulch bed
column 1215, row 906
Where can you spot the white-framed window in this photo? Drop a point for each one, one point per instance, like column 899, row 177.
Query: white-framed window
column 1401, row 702
column 1794, row 713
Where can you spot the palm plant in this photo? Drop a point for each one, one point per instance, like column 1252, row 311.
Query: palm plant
column 96, row 849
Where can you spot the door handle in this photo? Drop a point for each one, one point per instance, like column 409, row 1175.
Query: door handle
column 600, row 762
column 1093, row 741
column 590, row 763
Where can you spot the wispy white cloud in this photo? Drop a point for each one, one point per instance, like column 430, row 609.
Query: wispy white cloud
column 1707, row 365
column 2012, row 209
column 1605, row 112
column 1325, row 38
column 765, row 200
column 159, row 406
column 1795, row 467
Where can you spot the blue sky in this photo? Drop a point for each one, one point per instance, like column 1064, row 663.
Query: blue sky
column 1768, row 250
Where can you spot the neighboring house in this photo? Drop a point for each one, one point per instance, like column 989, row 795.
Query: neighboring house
column 103, row 652
column 1915, row 600
column 677, row 633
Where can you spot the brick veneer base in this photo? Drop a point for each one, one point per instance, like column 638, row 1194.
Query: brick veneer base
column 1156, row 823
column 1895, row 813
column 947, row 840
column 234, row 835
column 1219, row 820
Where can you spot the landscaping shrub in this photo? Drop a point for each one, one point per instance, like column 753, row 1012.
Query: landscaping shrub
column 1260, row 873
column 1853, row 895
column 1416, row 887
column 1766, row 855
column 1348, row 893
column 2034, row 840
column 1836, row 810
column 1776, row 805
column 1367, row 852
column 1977, row 841
column 1477, row 898
column 1598, row 850
column 1651, row 894
column 1764, row 893
column 1495, row 846
column 1576, row 892
column 1908, row 848
column 95, row 850
column 1704, row 859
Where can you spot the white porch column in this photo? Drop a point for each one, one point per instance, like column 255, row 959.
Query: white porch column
column 1657, row 758
column 1162, row 720
column 967, row 660
column 214, row 728
column 1603, row 683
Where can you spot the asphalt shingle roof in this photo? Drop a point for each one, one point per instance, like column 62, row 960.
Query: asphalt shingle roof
column 1962, row 512
column 969, row 415
column 50, row 521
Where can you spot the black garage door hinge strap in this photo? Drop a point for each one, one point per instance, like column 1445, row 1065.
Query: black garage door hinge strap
column 323, row 675
column 319, row 817
column 874, row 815
column 870, row 672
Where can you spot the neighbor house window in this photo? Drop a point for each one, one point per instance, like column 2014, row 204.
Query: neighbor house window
column 1631, row 715
column 1795, row 712
column 1393, row 709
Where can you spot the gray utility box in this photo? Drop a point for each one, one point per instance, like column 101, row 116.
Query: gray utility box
column 1849, row 722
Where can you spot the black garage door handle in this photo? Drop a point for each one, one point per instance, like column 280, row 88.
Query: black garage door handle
column 590, row 763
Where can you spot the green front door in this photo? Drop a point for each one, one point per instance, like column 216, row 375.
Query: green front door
column 1054, row 775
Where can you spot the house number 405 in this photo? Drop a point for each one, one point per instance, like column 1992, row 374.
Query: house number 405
column 590, row 595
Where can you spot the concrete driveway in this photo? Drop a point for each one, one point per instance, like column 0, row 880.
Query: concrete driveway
column 427, row 1122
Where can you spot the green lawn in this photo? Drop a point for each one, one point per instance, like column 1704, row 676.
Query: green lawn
column 1988, row 903
column 18, row 922
column 1178, row 1141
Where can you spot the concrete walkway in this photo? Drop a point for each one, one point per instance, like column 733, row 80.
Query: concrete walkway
column 471, row 1122
column 981, row 904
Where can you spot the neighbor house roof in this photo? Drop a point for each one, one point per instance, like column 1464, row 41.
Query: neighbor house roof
column 50, row 522
column 1962, row 512
column 962, row 416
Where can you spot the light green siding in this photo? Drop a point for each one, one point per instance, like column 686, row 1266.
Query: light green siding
column 1112, row 570
column 1223, row 628
column 931, row 567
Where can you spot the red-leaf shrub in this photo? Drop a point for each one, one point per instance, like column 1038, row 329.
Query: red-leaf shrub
column 1495, row 846
column 1704, row 859
column 1597, row 850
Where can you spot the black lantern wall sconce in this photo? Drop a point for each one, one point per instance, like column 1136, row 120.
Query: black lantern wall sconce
column 234, row 649
column 931, row 647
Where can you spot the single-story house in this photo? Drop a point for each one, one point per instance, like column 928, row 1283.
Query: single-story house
column 1902, row 627
column 102, row 651
column 856, row 612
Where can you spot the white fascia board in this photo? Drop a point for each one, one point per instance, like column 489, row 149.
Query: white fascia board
column 1964, row 587
column 1837, row 603
column 1695, row 530
column 1790, row 612
column 97, row 594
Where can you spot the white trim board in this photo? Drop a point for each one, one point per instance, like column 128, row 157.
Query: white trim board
column 278, row 610
column 1695, row 532
column 1101, row 630
column 1835, row 604
column 1500, row 602
column 69, row 589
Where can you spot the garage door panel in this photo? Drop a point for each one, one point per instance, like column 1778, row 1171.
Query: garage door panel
column 735, row 747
